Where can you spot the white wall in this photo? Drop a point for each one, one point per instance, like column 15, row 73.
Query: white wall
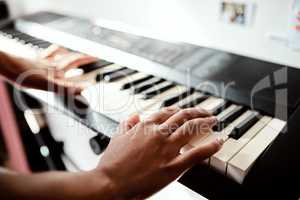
column 195, row 21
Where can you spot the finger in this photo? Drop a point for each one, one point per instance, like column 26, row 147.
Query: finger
column 51, row 51
column 198, row 154
column 190, row 129
column 73, row 60
column 163, row 114
column 85, row 60
column 185, row 115
column 129, row 123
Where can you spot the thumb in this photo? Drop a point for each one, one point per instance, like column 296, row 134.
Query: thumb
column 198, row 154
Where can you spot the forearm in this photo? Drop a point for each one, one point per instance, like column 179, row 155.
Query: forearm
column 16, row 71
column 56, row 186
column 7, row 67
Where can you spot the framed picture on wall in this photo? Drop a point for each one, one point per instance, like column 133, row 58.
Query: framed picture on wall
column 237, row 12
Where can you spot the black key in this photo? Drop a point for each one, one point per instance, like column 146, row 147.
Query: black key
column 100, row 77
column 156, row 90
column 94, row 66
column 119, row 74
column 244, row 126
column 12, row 32
column 25, row 36
column 36, row 41
column 22, row 35
column 30, row 41
column 135, row 82
column 229, row 118
column 27, row 39
column 195, row 101
column 172, row 100
column 221, row 108
column 44, row 45
column 146, row 85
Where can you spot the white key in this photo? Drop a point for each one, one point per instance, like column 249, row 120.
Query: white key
column 211, row 103
column 150, row 106
column 223, row 134
column 119, row 83
column 91, row 76
column 16, row 48
column 240, row 164
column 211, row 136
column 157, row 100
column 226, row 111
column 188, row 99
column 216, row 103
column 132, row 78
column 107, row 69
column 165, row 83
column 231, row 147
column 108, row 99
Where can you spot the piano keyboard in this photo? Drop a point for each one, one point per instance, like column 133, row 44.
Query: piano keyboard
column 118, row 91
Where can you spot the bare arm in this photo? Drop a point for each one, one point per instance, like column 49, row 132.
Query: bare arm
column 12, row 67
column 143, row 158
column 55, row 186
column 46, row 72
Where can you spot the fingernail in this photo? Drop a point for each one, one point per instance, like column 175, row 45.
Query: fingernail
column 172, row 108
column 134, row 115
column 212, row 119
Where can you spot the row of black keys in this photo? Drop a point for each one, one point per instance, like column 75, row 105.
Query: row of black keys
column 108, row 76
column 147, row 87
column 25, row 38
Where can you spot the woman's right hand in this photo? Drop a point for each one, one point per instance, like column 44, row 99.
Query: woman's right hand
column 145, row 156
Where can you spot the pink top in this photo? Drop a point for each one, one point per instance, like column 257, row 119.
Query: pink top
column 11, row 134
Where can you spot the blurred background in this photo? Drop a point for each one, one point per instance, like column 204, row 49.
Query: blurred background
column 263, row 35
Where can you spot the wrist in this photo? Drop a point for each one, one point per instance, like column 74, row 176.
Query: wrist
column 103, row 186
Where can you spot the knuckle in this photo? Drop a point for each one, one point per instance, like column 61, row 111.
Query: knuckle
column 169, row 167
column 186, row 113
column 199, row 121
column 191, row 123
column 189, row 127
column 147, row 122
column 170, row 109
column 195, row 122
column 159, row 136
column 142, row 127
